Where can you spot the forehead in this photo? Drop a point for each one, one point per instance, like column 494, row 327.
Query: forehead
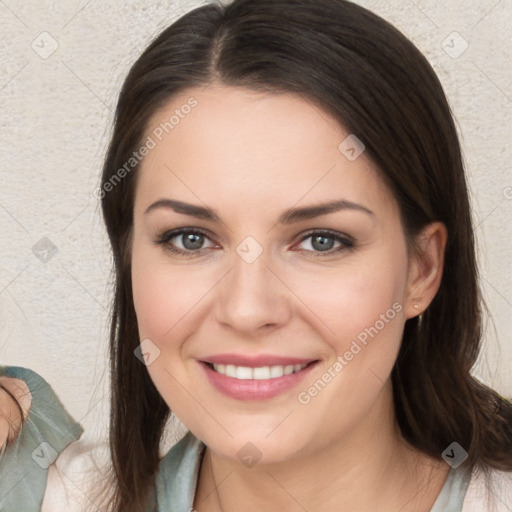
column 230, row 144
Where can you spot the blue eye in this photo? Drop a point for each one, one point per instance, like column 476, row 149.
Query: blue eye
column 323, row 243
column 190, row 242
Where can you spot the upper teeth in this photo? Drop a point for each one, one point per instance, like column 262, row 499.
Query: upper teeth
column 260, row 373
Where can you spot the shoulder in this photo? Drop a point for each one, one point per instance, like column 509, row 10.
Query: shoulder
column 490, row 493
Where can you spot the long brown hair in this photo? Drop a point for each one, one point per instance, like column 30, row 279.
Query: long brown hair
column 370, row 77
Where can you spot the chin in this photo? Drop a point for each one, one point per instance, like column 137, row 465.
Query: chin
column 253, row 446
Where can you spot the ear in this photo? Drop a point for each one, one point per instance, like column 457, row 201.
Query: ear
column 425, row 268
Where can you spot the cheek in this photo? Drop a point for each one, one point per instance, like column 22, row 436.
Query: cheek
column 164, row 297
column 159, row 301
column 359, row 310
column 350, row 299
column 165, row 303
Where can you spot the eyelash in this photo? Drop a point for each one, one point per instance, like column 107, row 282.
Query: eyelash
column 347, row 243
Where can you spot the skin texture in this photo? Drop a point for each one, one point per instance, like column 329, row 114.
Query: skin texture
column 251, row 156
column 10, row 420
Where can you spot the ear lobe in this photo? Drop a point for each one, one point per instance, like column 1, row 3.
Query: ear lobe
column 426, row 268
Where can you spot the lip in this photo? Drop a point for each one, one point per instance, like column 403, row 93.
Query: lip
column 255, row 389
column 255, row 361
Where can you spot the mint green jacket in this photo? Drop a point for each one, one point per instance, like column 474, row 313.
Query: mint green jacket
column 47, row 430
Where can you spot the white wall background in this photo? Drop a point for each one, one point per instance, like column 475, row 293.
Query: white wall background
column 55, row 118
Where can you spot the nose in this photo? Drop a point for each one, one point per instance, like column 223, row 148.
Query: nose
column 251, row 299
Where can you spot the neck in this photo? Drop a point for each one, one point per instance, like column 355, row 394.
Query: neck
column 370, row 468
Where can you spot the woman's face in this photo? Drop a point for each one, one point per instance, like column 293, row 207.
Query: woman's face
column 266, row 280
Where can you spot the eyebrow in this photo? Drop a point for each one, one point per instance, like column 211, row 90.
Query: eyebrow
column 290, row 216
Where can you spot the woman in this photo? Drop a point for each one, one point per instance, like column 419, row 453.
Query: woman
column 295, row 274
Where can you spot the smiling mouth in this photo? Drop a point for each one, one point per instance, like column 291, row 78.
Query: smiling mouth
column 257, row 373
